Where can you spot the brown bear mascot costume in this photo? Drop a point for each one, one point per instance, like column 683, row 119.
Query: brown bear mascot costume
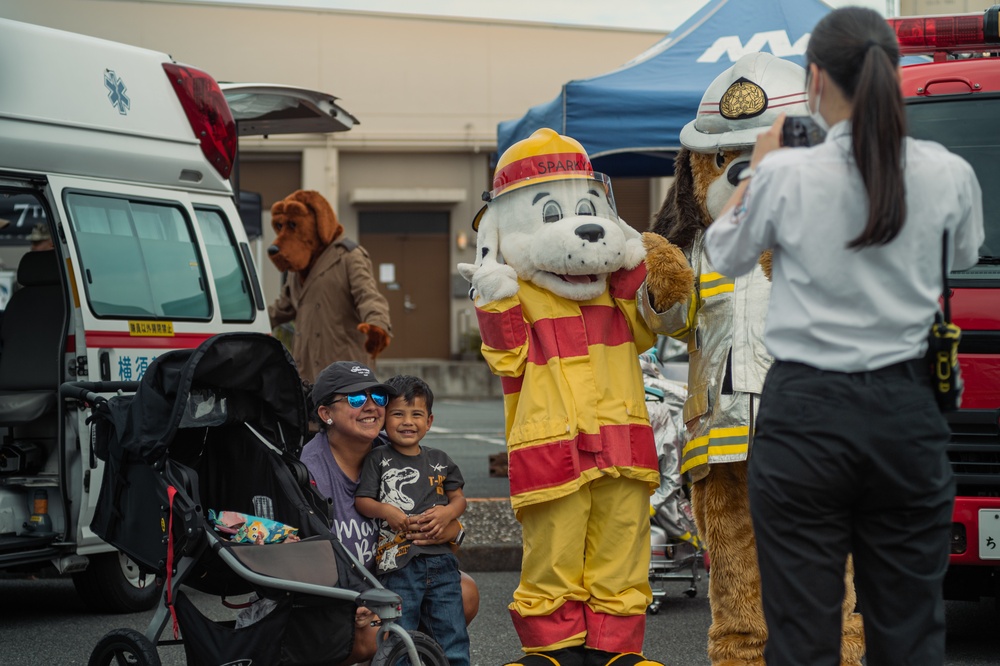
column 329, row 290
column 722, row 320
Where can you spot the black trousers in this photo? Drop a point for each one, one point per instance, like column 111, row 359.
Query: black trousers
column 851, row 463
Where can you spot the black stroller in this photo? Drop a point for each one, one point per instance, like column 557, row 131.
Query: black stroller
column 220, row 427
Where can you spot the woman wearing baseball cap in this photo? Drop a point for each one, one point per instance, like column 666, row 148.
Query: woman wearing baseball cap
column 349, row 402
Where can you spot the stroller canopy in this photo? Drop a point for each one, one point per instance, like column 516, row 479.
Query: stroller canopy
column 230, row 377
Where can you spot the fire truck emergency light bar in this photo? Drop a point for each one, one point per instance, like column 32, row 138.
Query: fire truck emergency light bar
column 959, row 32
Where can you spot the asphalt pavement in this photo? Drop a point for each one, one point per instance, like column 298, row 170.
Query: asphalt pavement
column 43, row 621
column 470, row 431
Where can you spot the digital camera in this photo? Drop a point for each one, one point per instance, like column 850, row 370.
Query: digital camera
column 801, row 131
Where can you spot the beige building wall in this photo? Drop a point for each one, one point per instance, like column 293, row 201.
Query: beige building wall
column 428, row 92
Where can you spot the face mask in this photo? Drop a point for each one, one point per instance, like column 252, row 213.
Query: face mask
column 816, row 116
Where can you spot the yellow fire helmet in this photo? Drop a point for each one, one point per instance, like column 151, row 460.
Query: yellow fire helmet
column 544, row 156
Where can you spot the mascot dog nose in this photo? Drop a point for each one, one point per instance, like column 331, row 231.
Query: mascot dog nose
column 590, row 232
column 273, row 250
column 733, row 175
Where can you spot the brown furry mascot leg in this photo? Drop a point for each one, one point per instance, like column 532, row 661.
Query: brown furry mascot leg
column 738, row 632
column 852, row 641
column 722, row 514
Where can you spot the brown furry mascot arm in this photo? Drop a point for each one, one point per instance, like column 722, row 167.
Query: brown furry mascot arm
column 669, row 278
column 669, row 285
column 377, row 339
column 371, row 305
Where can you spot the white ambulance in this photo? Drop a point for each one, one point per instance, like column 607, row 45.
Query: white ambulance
column 124, row 156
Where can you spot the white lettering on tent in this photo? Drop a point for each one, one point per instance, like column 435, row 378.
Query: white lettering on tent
column 732, row 47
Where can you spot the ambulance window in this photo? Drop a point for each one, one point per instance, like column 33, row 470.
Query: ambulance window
column 231, row 283
column 138, row 258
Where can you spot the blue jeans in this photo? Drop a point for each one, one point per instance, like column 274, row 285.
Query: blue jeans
column 431, row 589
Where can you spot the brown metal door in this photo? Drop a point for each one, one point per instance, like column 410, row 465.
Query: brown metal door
column 410, row 256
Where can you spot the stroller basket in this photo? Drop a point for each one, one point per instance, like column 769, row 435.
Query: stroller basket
column 309, row 629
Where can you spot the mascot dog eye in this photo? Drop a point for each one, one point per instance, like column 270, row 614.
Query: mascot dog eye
column 551, row 212
column 586, row 207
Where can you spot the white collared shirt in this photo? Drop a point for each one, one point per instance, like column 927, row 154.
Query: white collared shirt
column 836, row 308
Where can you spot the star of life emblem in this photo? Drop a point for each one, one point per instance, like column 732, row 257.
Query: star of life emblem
column 116, row 92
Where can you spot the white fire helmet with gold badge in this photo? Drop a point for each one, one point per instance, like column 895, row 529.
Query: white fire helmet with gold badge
column 744, row 101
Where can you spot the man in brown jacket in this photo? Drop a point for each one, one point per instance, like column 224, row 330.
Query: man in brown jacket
column 329, row 290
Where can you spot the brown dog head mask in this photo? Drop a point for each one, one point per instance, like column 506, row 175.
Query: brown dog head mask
column 702, row 183
column 304, row 224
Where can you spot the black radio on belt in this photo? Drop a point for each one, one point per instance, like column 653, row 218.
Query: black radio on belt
column 942, row 348
column 942, row 351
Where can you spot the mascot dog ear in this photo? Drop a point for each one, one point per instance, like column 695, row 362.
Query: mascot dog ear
column 669, row 278
column 491, row 278
column 679, row 217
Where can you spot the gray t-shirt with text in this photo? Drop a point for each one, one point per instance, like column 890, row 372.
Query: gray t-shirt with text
column 413, row 484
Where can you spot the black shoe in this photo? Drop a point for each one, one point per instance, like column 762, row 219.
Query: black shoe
column 602, row 658
column 573, row 656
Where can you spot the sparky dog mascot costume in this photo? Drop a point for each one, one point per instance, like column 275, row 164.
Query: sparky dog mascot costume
column 722, row 320
column 329, row 290
column 555, row 283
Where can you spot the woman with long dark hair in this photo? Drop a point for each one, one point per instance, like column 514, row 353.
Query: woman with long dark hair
column 849, row 454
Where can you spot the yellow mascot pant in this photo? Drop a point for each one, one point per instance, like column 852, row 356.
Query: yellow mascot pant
column 585, row 569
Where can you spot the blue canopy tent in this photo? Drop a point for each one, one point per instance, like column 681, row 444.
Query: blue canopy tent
column 629, row 120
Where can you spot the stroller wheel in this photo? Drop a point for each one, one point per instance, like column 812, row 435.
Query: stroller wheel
column 124, row 646
column 691, row 592
column 393, row 651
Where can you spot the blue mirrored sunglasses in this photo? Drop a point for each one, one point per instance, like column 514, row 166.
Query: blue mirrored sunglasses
column 356, row 400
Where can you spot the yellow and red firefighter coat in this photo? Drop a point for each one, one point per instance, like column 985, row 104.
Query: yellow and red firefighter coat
column 574, row 399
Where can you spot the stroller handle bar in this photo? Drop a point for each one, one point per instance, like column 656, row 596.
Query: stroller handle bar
column 89, row 391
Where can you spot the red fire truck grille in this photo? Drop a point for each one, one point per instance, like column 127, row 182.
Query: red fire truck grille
column 974, row 452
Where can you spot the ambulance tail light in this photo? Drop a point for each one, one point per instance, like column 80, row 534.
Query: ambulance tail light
column 958, row 33
column 208, row 113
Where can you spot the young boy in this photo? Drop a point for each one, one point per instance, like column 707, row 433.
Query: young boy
column 406, row 479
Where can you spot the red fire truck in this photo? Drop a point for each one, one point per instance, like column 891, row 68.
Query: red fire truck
column 954, row 99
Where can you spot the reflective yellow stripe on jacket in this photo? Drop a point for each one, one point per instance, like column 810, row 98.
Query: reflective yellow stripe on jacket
column 718, row 443
column 713, row 283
